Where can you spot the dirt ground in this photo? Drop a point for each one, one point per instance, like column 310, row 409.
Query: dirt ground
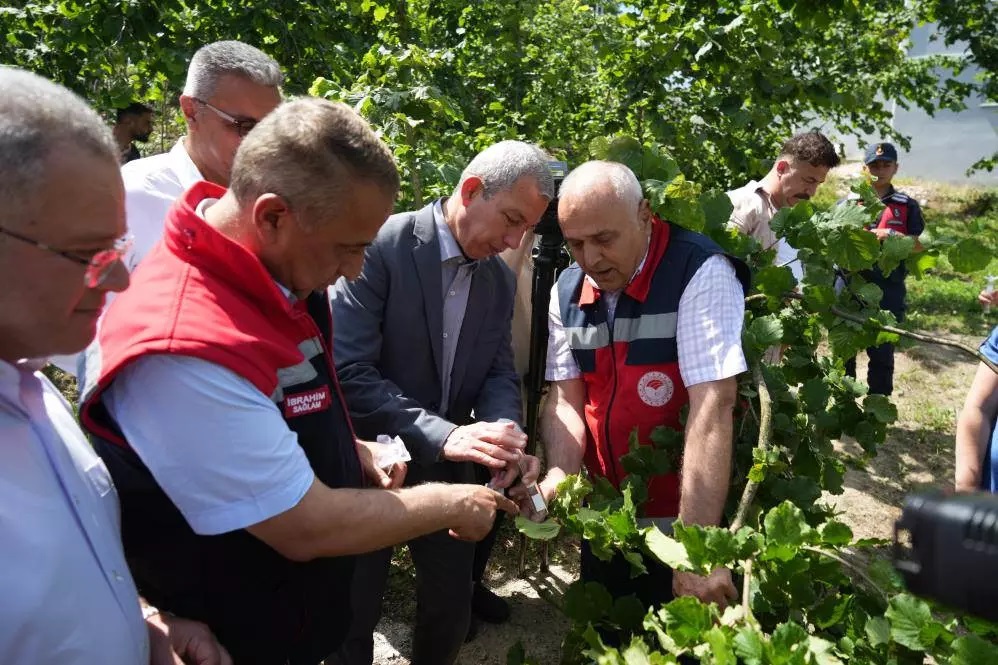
column 930, row 384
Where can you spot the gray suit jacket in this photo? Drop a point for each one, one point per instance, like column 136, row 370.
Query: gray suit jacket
column 387, row 341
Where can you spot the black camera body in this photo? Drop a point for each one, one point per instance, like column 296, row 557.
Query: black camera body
column 952, row 551
column 548, row 226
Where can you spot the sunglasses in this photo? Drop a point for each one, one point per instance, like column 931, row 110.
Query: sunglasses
column 99, row 266
column 242, row 126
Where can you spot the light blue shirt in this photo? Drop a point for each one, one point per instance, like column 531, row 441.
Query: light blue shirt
column 66, row 596
column 456, row 273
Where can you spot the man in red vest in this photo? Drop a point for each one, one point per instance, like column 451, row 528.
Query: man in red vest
column 646, row 321
column 218, row 411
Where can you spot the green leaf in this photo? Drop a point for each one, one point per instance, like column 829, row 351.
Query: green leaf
column 764, row 331
column 972, row 650
column 587, row 602
column 893, row 251
column 920, row 264
column 787, row 636
column 786, row 530
column 815, row 394
column 970, row 255
column 749, row 646
column 628, row 613
column 546, row 530
column 834, row 532
column 852, row 248
column 667, row 550
column 878, row 630
column 720, row 650
column 912, row 624
column 881, row 408
column 716, row 210
column 774, row 282
column 686, row 619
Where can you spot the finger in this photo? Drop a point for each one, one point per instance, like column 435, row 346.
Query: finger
column 223, row 656
column 459, row 536
column 506, row 477
column 399, row 474
column 379, row 477
column 517, row 493
column 484, row 459
column 530, row 469
column 496, row 453
column 505, row 437
column 504, row 504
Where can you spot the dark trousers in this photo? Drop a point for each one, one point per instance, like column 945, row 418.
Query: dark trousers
column 652, row 589
column 443, row 587
column 880, row 372
column 443, row 600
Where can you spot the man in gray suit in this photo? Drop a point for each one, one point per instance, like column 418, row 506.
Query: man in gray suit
column 422, row 347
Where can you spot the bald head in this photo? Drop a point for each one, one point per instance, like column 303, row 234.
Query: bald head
column 605, row 220
column 601, row 181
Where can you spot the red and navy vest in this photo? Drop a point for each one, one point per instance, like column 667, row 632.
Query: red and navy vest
column 200, row 294
column 631, row 371
column 895, row 214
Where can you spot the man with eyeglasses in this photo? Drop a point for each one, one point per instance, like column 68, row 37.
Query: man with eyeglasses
column 67, row 593
column 230, row 87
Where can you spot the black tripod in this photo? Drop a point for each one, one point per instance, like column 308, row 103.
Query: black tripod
column 549, row 259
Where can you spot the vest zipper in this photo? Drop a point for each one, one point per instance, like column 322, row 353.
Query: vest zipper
column 606, row 422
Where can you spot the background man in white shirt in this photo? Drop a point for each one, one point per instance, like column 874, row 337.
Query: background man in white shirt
column 654, row 323
column 230, row 87
column 802, row 165
column 68, row 596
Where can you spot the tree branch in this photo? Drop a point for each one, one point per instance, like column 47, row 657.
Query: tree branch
column 920, row 337
column 765, row 434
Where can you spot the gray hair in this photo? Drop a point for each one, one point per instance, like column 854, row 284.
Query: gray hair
column 591, row 176
column 502, row 164
column 229, row 58
column 38, row 118
column 309, row 151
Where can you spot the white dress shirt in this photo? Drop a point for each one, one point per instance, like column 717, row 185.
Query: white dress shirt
column 66, row 596
column 752, row 210
column 151, row 186
column 708, row 328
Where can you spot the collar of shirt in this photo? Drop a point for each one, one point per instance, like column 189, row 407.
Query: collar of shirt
column 209, row 202
column 756, row 186
column 449, row 249
column 184, row 166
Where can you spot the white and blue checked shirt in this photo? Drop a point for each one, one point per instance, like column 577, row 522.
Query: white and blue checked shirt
column 708, row 328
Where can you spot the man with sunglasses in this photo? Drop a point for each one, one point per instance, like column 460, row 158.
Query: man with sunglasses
column 230, row 87
column 67, row 593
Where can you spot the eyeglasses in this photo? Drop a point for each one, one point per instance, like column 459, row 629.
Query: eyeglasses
column 242, row 127
column 99, row 266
